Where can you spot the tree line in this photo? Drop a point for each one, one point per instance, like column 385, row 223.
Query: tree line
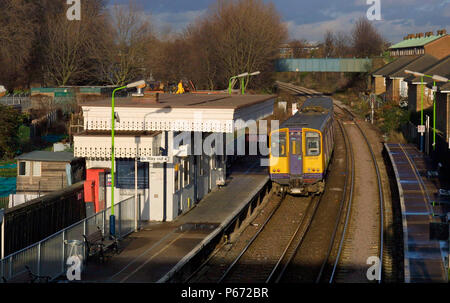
column 364, row 40
column 113, row 45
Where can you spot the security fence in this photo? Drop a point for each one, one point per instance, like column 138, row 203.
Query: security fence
column 23, row 100
column 49, row 256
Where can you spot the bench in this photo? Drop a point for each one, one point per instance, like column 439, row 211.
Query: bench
column 27, row 276
column 96, row 244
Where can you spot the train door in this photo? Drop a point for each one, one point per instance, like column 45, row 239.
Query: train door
column 295, row 153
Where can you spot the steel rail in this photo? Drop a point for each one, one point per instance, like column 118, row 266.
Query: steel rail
column 349, row 206
column 350, row 161
column 309, row 214
column 297, row 89
column 226, row 273
column 380, row 191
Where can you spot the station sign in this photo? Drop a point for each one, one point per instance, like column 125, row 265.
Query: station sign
column 155, row 159
column 421, row 128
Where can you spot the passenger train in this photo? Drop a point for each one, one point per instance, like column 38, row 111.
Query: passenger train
column 301, row 149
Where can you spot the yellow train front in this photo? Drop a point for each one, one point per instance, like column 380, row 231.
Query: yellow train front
column 301, row 149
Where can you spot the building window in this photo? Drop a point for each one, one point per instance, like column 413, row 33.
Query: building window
column 24, row 168
column 186, row 177
column 200, row 166
column 177, row 178
column 125, row 174
column 36, row 169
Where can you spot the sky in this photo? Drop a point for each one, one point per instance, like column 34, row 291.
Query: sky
column 310, row 19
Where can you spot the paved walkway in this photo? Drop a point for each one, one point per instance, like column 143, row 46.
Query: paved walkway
column 149, row 254
column 421, row 205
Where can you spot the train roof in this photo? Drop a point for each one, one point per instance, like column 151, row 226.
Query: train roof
column 324, row 102
column 313, row 114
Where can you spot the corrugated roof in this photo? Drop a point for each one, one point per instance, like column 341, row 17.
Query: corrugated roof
column 394, row 66
column 47, row 156
column 416, row 42
column 441, row 68
column 418, row 65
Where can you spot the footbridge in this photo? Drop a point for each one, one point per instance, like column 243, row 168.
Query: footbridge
column 344, row 65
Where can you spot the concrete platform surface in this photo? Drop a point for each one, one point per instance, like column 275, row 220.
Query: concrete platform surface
column 149, row 254
column 424, row 258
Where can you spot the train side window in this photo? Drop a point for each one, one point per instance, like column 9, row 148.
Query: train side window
column 312, row 144
column 278, row 147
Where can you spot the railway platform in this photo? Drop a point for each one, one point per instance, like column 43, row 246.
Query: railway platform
column 159, row 249
column 421, row 204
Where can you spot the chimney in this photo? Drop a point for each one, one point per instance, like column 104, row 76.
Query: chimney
column 428, row 34
column 442, row 32
column 421, row 35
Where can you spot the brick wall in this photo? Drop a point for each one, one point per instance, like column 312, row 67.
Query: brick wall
column 378, row 86
column 414, row 98
column 439, row 48
column 443, row 113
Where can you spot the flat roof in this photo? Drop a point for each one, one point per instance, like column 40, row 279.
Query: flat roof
column 416, row 42
column 203, row 101
column 47, row 156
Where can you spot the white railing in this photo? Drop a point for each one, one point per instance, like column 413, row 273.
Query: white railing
column 49, row 256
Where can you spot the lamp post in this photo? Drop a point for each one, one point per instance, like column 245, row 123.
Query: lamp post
column 112, row 218
column 230, row 82
column 243, row 80
column 436, row 78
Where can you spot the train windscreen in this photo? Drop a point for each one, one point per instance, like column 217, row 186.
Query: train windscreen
column 312, row 144
column 278, row 146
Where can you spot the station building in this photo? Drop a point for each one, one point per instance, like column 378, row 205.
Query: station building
column 172, row 175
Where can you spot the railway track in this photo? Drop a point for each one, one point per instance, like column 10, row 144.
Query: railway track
column 284, row 225
column 336, row 264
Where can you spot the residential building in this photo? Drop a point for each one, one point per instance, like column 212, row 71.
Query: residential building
column 423, row 43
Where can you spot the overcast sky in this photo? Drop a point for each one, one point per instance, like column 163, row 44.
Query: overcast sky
column 309, row 19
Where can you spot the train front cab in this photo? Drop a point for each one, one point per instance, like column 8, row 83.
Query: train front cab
column 297, row 167
column 313, row 161
column 278, row 161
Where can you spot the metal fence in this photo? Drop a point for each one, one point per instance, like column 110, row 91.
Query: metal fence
column 23, row 101
column 49, row 256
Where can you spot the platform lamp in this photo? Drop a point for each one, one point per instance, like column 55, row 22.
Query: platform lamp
column 243, row 80
column 231, row 81
column 112, row 218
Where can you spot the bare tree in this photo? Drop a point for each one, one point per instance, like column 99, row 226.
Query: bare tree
column 367, row 41
column 16, row 40
column 299, row 48
column 69, row 44
column 328, row 45
column 121, row 52
column 248, row 37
